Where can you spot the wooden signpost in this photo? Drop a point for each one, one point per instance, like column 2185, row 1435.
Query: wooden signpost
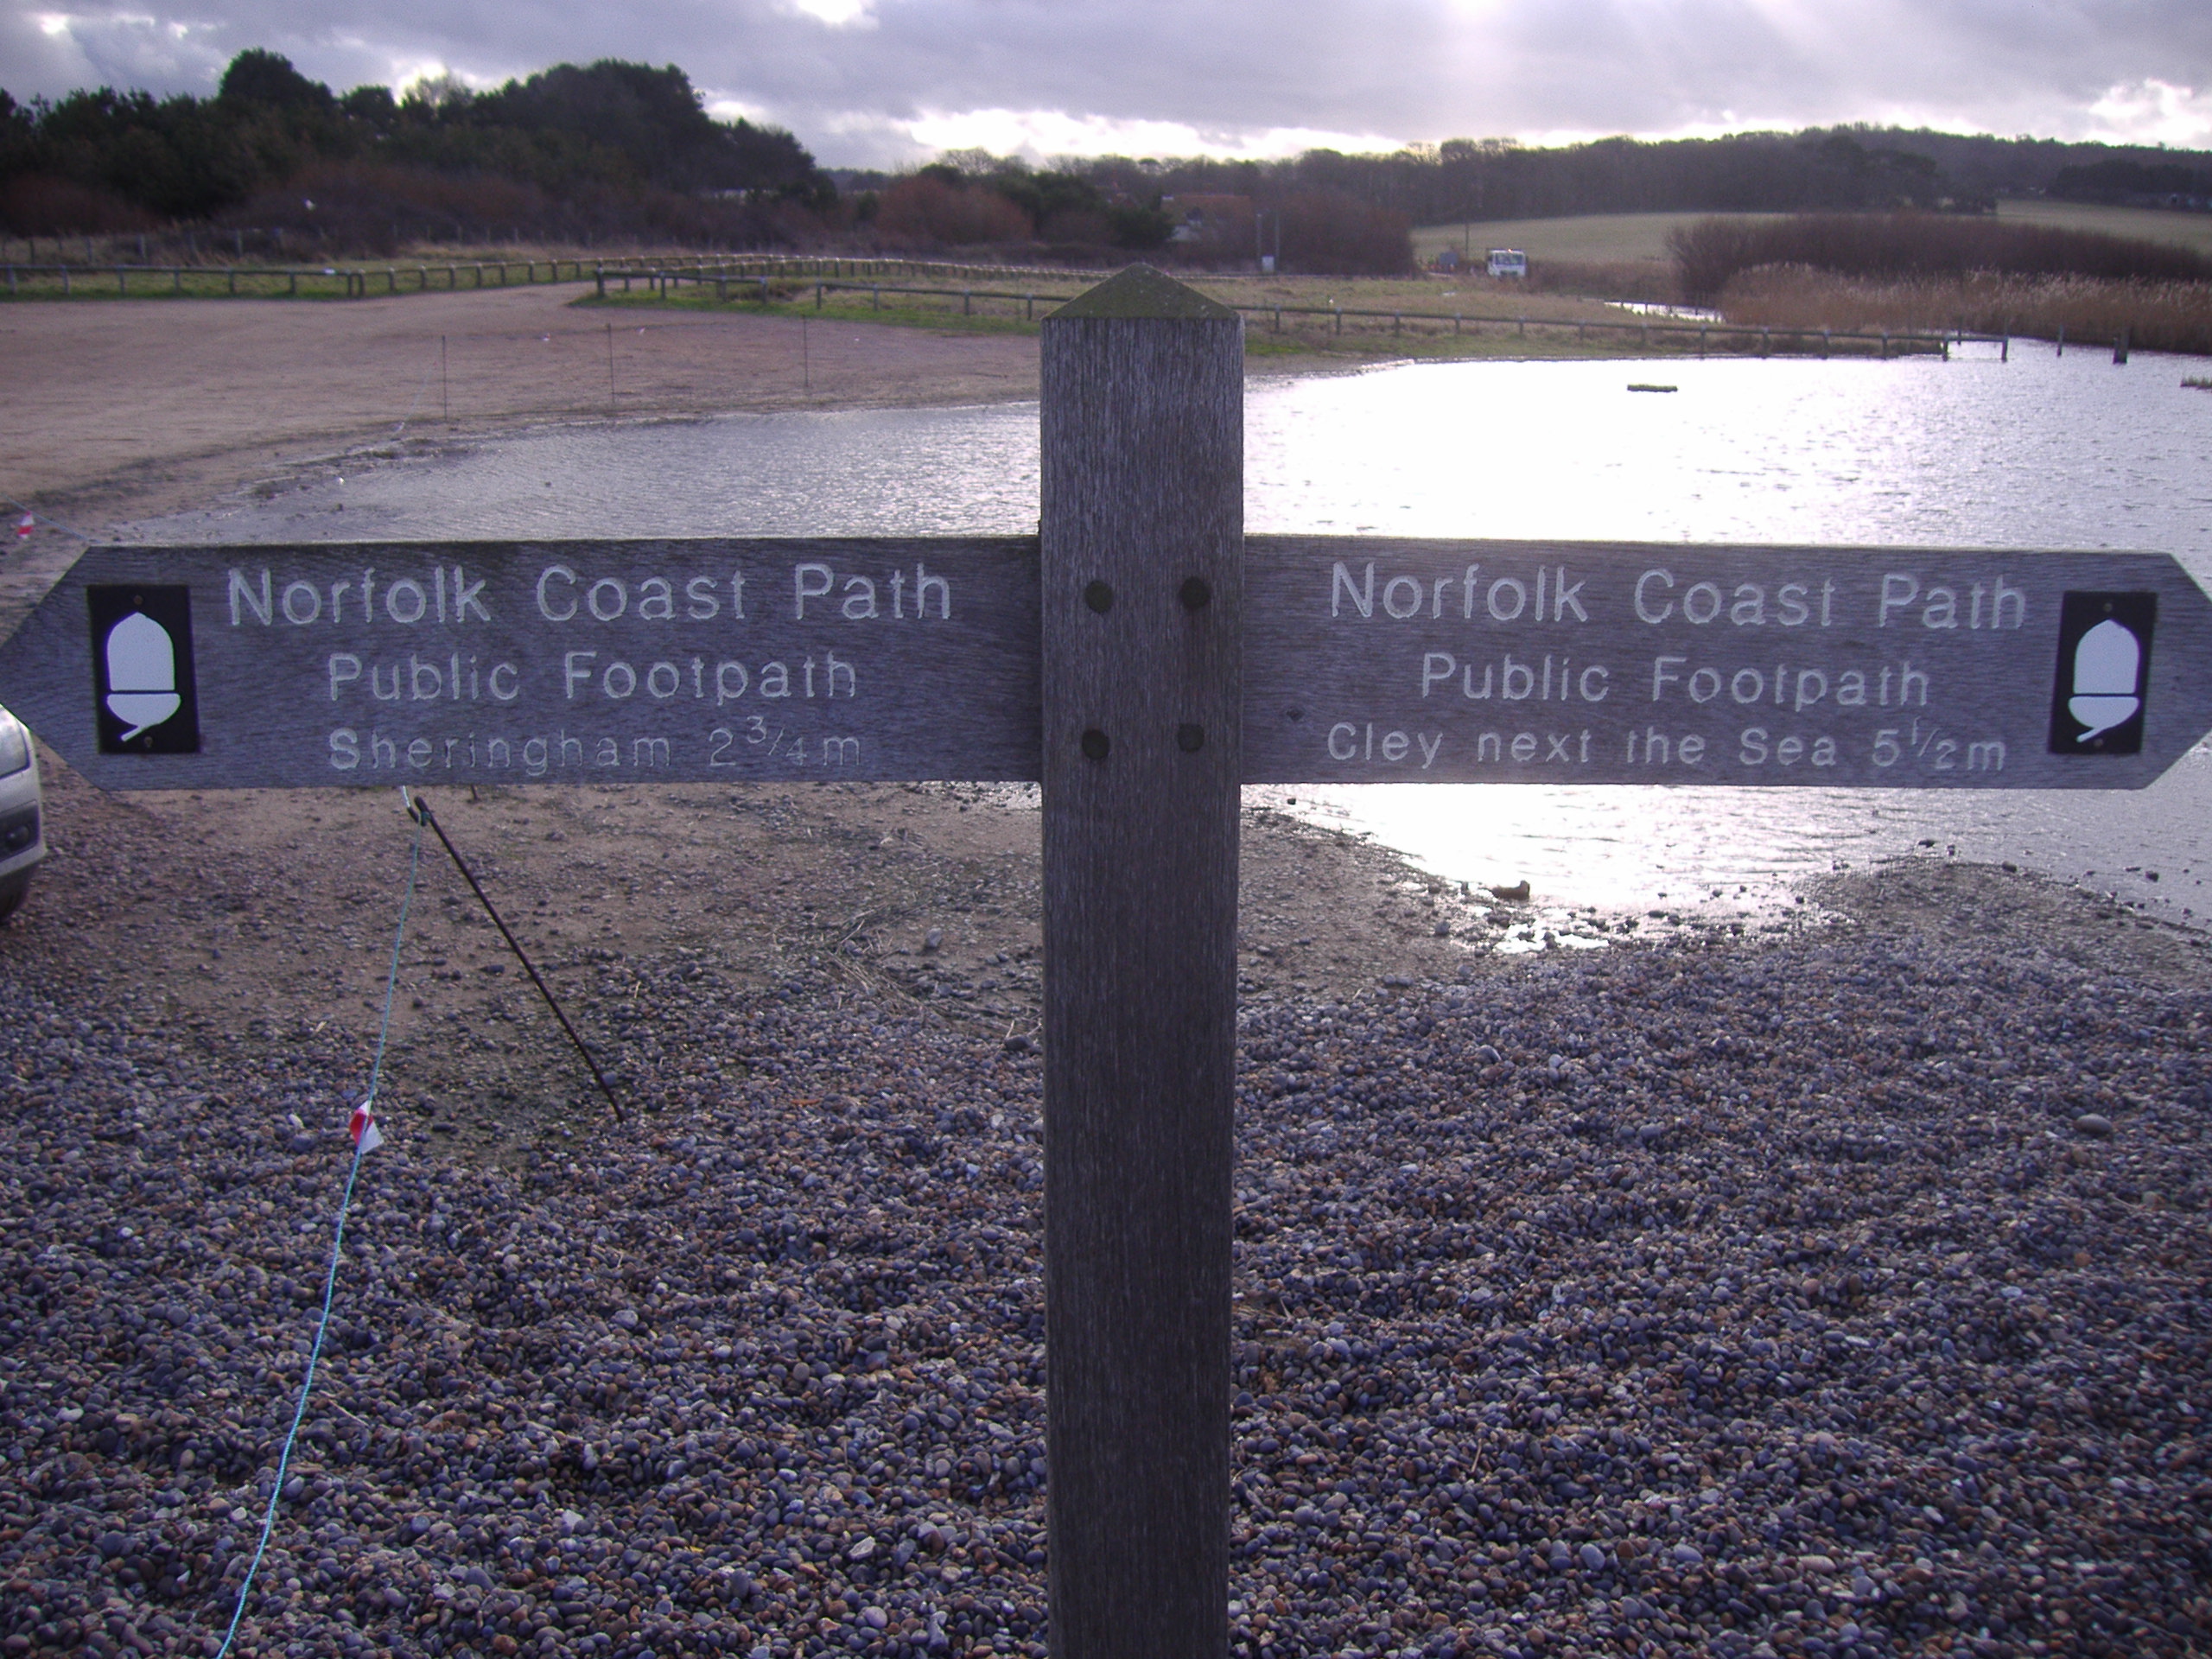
column 1363, row 660
column 1142, row 659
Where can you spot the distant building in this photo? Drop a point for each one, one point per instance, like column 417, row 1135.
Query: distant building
column 1220, row 224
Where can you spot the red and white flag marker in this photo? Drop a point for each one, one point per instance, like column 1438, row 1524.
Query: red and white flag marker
column 367, row 1137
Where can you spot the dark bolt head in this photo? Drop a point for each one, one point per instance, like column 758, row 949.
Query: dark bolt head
column 1099, row 597
column 1189, row 739
column 1095, row 744
column 1196, row 595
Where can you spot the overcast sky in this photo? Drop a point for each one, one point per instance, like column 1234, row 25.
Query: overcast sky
column 882, row 82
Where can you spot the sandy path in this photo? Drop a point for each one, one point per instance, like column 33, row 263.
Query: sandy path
column 139, row 406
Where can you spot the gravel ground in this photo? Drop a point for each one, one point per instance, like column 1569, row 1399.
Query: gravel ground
column 1842, row 1293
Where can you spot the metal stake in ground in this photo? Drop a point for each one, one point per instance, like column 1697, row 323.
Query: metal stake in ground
column 1142, row 489
column 420, row 809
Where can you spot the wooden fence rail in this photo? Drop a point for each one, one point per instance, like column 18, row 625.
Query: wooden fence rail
column 843, row 275
column 362, row 281
column 1792, row 341
column 351, row 282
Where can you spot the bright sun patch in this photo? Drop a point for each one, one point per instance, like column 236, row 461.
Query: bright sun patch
column 2152, row 111
column 839, row 13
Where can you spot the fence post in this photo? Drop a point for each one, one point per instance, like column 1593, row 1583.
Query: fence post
column 1141, row 544
column 2119, row 346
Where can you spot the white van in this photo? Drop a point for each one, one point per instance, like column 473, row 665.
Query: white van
column 23, row 842
column 1508, row 262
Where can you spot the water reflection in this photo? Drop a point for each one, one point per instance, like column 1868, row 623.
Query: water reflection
column 2036, row 452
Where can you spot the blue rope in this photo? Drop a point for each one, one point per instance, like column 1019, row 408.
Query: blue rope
column 337, row 1247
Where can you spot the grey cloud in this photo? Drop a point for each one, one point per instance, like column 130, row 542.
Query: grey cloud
column 1410, row 68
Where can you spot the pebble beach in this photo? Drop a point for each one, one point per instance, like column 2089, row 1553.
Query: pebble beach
column 1843, row 1294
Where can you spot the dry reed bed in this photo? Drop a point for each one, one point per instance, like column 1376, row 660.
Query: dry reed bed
column 2162, row 316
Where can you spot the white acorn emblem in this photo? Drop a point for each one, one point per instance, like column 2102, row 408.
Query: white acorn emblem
column 141, row 673
column 2106, row 663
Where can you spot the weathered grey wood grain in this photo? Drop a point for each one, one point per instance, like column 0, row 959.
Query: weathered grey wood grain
column 1142, row 500
column 1378, row 659
column 566, row 662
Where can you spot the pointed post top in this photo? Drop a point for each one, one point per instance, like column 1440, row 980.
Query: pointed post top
column 1141, row 291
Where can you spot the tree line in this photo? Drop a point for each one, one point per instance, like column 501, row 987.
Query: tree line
column 610, row 147
column 624, row 150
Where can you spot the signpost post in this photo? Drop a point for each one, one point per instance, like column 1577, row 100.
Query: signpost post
column 1142, row 659
column 1143, row 499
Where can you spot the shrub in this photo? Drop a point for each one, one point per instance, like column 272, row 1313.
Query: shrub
column 2157, row 316
column 37, row 204
column 370, row 208
column 927, row 211
column 1708, row 253
column 1326, row 232
column 1649, row 282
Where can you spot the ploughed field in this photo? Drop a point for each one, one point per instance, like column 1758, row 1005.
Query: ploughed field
column 1841, row 1292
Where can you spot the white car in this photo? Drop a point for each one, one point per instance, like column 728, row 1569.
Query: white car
column 22, row 841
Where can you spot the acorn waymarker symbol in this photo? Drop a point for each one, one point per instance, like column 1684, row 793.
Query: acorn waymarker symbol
column 2106, row 663
column 2101, row 692
column 145, row 698
column 141, row 673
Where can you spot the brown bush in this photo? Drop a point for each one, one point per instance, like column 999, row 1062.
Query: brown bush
column 1080, row 226
column 1328, row 233
column 927, row 213
column 1649, row 282
column 1917, row 246
column 37, row 204
column 2157, row 316
column 371, row 207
